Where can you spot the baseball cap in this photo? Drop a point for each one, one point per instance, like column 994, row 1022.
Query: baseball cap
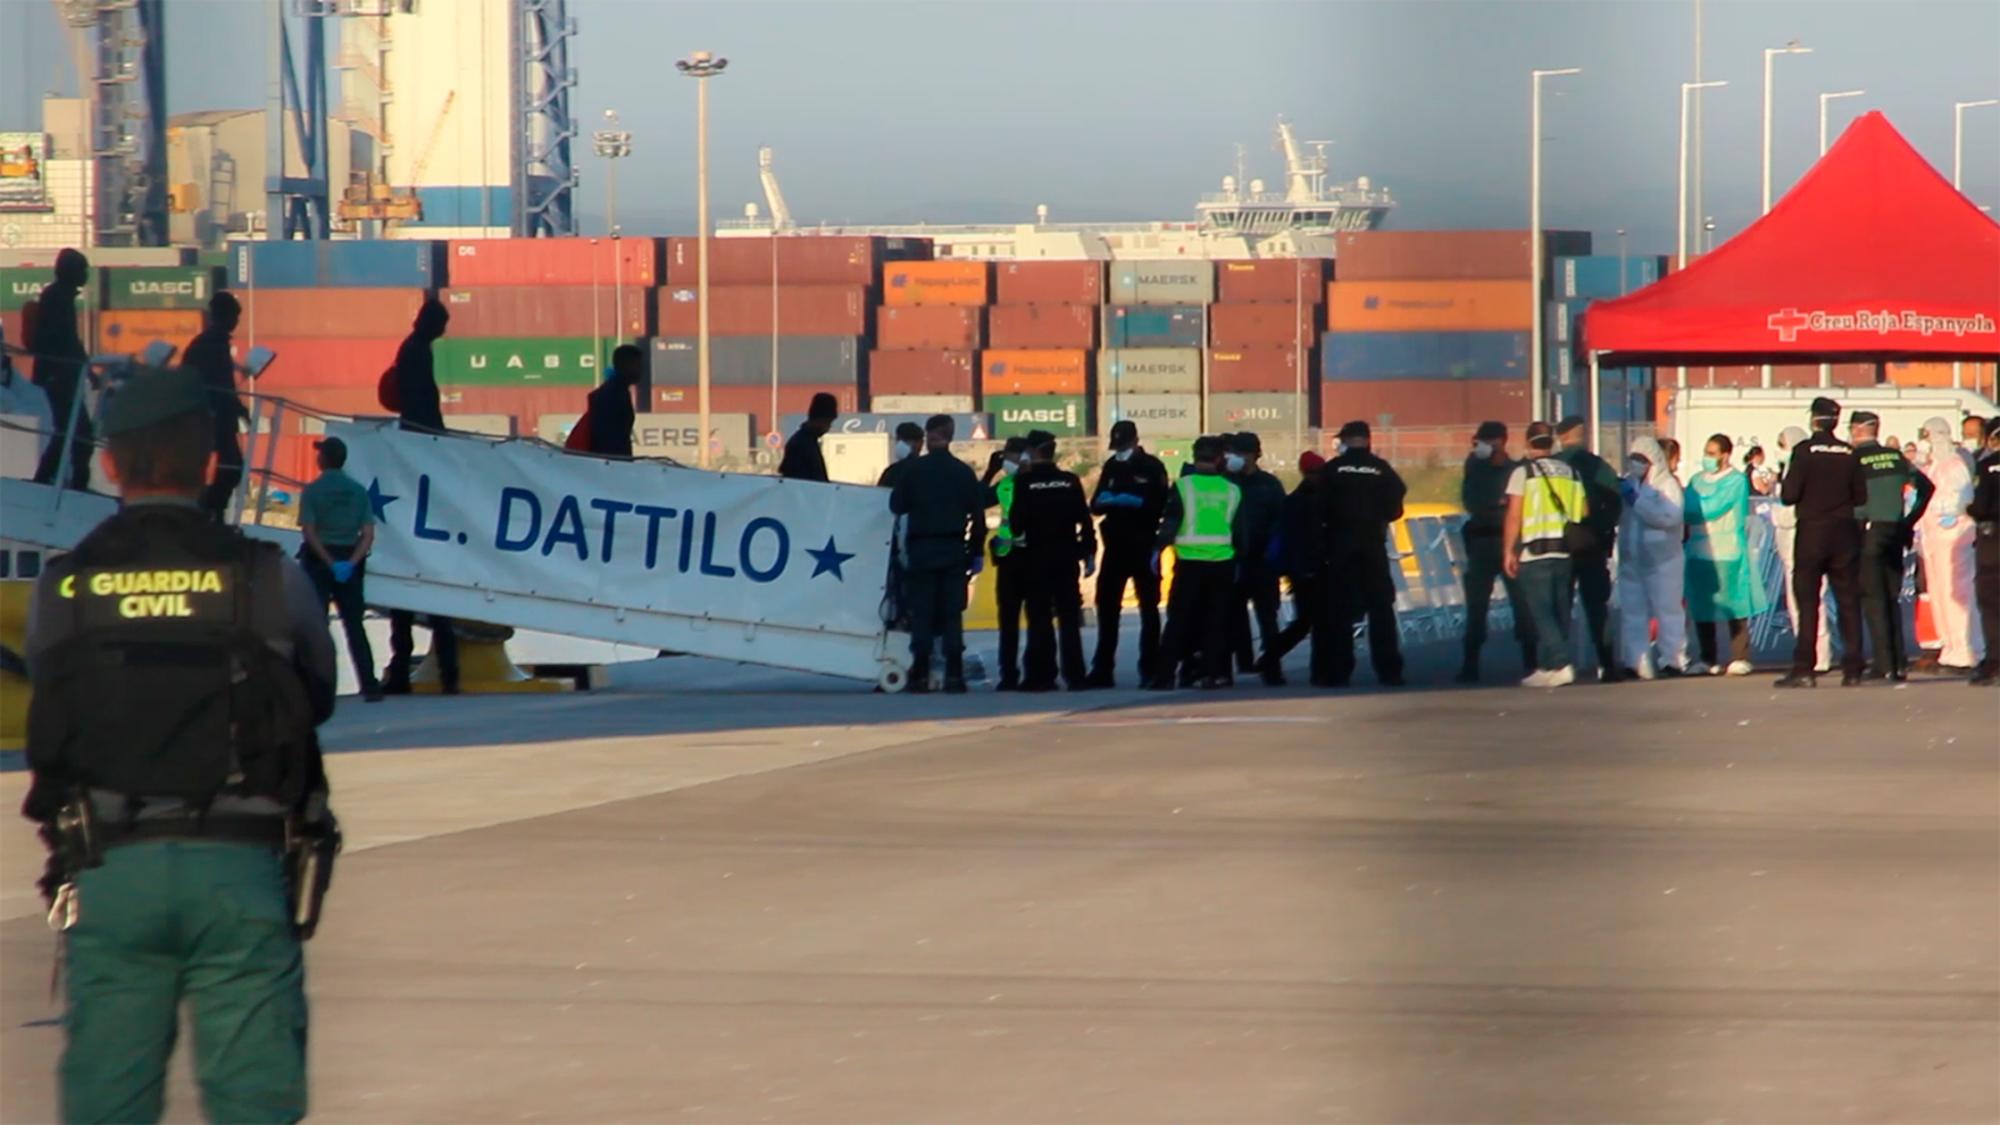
column 1354, row 429
column 1567, row 425
column 151, row 396
column 1124, row 431
column 1824, row 407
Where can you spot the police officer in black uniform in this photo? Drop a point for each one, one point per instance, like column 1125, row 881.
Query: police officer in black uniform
column 1985, row 513
column 944, row 514
column 179, row 670
column 1053, row 533
column 1886, row 535
column 1359, row 496
column 1262, row 512
column 1825, row 484
column 1131, row 493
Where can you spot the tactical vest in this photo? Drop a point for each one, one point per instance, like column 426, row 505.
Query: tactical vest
column 1003, row 537
column 1208, row 518
column 165, row 683
column 1548, row 502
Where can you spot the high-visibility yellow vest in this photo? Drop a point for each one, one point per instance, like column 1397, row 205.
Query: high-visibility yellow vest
column 1003, row 536
column 1208, row 517
column 1552, row 497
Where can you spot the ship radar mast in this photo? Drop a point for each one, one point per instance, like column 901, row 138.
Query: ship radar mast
column 774, row 197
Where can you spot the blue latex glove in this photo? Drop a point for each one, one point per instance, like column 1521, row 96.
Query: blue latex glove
column 1629, row 491
column 342, row 571
column 1156, row 564
column 977, row 564
column 1947, row 522
column 1089, row 567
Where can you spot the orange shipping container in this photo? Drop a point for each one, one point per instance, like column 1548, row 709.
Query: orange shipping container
column 935, row 283
column 1034, row 371
column 1429, row 306
column 129, row 331
column 1973, row 376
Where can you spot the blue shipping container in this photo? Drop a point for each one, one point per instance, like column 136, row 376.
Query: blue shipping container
column 1597, row 276
column 367, row 264
column 1564, row 322
column 1164, row 326
column 1627, row 396
column 1355, row 357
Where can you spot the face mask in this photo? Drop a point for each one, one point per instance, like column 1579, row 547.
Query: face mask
column 1122, row 455
column 902, row 450
column 1233, row 462
column 1482, row 449
column 1710, row 463
column 1638, row 465
column 1971, row 444
column 1010, row 467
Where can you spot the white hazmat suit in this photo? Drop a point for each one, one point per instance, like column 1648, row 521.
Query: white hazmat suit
column 1650, row 566
column 1945, row 543
column 1784, row 531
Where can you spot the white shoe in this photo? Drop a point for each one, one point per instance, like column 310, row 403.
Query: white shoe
column 1561, row 677
column 1695, row 668
column 1740, row 668
column 1537, row 678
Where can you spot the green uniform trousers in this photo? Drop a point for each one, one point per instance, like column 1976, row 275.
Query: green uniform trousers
column 173, row 920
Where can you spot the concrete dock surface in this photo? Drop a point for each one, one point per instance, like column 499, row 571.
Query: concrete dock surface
column 720, row 895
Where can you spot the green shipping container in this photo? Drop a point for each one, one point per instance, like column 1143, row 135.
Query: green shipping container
column 1061, row 415
column 159, row 287
column 219, row 260
column 20, row 285
column 520, row 361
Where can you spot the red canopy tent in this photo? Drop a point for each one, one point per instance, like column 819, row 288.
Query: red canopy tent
column 1872, row 256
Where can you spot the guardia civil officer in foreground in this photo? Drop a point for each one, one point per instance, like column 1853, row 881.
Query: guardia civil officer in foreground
column 1825, row 485
column 1886, row 534
column 179, row 670
column 944, row 532
column 1360, row 495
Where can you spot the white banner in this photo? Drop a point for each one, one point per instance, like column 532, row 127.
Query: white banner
column 521, row 519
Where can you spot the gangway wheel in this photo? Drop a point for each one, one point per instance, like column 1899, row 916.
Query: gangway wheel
column 893, row 679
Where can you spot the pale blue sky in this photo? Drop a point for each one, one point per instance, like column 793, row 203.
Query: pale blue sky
column 979, row 109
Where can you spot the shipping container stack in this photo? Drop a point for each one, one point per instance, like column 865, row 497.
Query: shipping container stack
column 1432, row 328
column 1155, row 339
column 1575, row 281
column 929, row 331
column 1041, row 333
column 533, row 325
column 788, row 318
column 1263, row 337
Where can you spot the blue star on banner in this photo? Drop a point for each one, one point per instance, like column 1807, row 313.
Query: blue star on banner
column 828, row 560
column 380, row 500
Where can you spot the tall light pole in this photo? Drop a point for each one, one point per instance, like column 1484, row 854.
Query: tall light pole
column 1681, row 217
column 1958, row 138
column 1536, row 375
column 1958, row 183
column 701, row 66
column 613, row 144
column 1823, row 100
column 1770, row 53
column 1826, row 369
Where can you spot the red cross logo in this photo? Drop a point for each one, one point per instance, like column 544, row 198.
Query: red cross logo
column 1787, row 324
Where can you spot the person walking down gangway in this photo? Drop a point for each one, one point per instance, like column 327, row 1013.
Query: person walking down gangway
column 62, row 370
column 213, row 354
column 421, row 409
column 1723, row 590
column 803, row 459
column 1825, row 485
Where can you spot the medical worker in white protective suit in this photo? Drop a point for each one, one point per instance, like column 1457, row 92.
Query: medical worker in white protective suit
column 1784, row 530
column 1945, row 540
column 1650, row 565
